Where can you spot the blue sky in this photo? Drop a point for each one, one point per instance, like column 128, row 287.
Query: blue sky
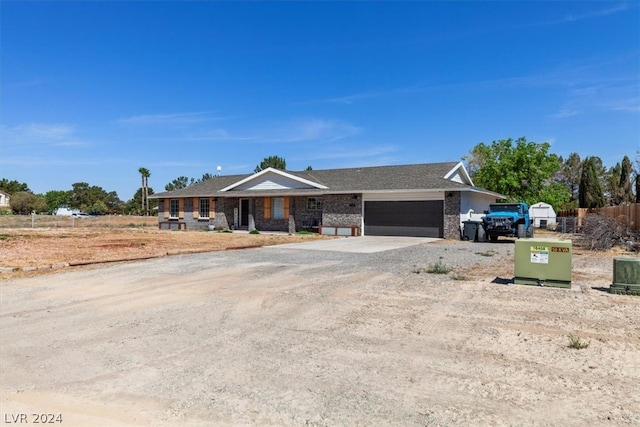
column 91, row 91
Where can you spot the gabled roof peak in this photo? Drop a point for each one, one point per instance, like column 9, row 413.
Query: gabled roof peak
column 256, row 177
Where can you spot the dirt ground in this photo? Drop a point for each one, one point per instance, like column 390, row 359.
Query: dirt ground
column 273, row 336
column 38, row 251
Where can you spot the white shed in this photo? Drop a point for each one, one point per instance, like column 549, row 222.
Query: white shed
column 542, row 214
column 4, row 199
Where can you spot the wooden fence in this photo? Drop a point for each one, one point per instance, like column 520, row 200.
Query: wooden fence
column 626, row 214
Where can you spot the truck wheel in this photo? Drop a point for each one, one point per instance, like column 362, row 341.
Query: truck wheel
column 530, row 231
column 493, row 237
column 522, row 232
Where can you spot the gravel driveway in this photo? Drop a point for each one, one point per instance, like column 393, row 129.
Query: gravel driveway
column 285, row 336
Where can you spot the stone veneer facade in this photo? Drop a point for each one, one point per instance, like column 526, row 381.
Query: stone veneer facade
column 452, row 215
column 342, row 210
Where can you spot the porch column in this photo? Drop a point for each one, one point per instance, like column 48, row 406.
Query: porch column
column 252, row 220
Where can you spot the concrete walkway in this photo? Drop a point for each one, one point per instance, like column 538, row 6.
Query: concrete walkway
column 362, row 244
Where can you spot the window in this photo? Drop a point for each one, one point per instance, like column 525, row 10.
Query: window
column 314, row 204
column 277, row 208
column 204, row 208
column 174, row 208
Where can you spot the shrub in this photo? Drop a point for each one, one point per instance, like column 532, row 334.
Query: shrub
column 254, row 232
column 438, row 268
column 576, row 343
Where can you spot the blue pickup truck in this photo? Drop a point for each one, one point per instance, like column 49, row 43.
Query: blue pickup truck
column 507, row 219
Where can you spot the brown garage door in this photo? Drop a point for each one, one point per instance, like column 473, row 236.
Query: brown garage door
column 421, row 218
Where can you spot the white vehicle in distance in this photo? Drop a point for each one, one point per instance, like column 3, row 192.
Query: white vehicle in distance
column 82, row 215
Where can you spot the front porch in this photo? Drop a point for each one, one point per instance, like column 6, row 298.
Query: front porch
column 289, row 214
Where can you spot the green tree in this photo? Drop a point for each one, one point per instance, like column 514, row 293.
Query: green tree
column 612, row 185
column 56, row 199
column 590, row 192
column 521, row 171
column 82, row 196
column 99, row 207
column 133, row 206
column 179, row 183
column 271, row 162
column 625, row 187
column 557, row 195
column 205, row 176
column 114, row 204
column 25, row 202
column 13, row 187
column 570, row 177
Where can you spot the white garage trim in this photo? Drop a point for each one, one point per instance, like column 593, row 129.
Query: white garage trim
column 403, row 195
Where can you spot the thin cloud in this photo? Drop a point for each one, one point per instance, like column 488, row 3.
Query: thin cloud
column 571, row 18
column 334, row 153
column 564, row 114
column 595, row 14
column 171, row 119
column 60, row 135
column 46, row 132
column 216, row 135
column 313, row 130
column 352, row 98
column 22, row 84
column 46, row 161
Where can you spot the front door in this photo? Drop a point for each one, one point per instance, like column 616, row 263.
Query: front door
column 244, row 212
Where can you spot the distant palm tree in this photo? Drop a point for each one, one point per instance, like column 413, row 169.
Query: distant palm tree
column 145, row 174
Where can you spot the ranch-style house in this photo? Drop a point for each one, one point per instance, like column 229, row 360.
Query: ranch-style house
column 428, row 200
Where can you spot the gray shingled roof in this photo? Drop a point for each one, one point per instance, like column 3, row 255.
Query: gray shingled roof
column 429, row 176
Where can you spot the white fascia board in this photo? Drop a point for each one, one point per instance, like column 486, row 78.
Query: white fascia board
column 276, row 171
column 462, row 170
column 481, row 191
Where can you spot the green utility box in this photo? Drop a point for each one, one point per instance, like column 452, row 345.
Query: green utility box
column 543, row 262
column 626, row 276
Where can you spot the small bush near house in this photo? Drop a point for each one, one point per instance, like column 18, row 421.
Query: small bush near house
column 254, row 232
